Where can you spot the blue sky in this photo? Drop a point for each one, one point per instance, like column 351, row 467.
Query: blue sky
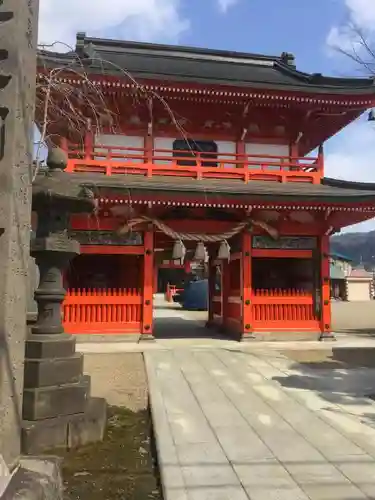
column 307, row 28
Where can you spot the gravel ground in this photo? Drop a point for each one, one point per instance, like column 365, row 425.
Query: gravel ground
column 120, row 378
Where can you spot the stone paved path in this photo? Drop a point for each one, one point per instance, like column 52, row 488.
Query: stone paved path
column 231, row 425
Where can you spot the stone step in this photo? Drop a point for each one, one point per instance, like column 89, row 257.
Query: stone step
column 49, row 402
column 68, row 431
column 52, row 371
column 50, row 346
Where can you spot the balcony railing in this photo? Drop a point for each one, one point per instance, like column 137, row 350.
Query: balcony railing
column 117, row 160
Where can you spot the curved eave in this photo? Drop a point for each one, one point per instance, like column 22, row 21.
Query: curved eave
column 296, row 81
column 352, row 185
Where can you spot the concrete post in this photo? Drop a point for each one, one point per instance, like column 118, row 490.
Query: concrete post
column 18, row 38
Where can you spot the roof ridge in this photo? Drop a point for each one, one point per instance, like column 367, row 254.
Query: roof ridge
column 83, row 40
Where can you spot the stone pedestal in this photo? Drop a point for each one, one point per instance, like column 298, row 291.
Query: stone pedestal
column 58, row 410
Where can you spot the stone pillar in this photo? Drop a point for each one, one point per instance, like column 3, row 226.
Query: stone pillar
column 57, row 408
column 18, row 35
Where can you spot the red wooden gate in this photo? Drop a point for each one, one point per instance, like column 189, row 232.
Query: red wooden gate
column 113, row 310
column 281, row 309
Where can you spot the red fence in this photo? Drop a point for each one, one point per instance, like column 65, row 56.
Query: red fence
column 111, row 160
column 87, row 310
column 284, row 309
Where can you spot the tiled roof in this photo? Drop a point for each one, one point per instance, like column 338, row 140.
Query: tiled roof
column 201, row 66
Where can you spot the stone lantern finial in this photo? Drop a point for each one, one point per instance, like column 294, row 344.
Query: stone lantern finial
column 57, row 159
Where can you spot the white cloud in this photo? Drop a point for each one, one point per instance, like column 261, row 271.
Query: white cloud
column 225, row 5
column 361, row 15
column 148, row 20
column 351, row 156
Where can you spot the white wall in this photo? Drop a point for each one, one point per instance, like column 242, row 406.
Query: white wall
column 163, row 143
column 127, row 141
column 226, row 147
column 253, row 148
column 358, row 290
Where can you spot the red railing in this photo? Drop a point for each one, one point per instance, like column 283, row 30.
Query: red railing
column 284, row 309
column 111, row 160
column 110, row 310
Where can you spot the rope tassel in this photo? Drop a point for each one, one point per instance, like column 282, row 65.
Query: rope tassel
column 224, row 251
column 200, row 252
column 179, row 251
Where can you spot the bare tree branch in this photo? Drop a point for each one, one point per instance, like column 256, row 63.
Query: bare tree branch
column 359, row 47
column 82, row 103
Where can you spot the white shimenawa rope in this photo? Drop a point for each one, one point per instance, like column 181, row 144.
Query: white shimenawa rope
column 204, row 238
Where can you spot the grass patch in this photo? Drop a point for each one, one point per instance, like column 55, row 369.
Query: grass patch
column 121, row 467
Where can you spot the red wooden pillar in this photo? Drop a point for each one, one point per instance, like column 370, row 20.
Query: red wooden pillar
column 149, row 148
column 211, row 291
column 89, row 145
column 241, row 153
column 226, row 270
column 247, row 292
column 325, row 321
column 148, row 284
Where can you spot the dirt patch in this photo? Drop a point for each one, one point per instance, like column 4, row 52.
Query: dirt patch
column 334, row 358
column 122, row 466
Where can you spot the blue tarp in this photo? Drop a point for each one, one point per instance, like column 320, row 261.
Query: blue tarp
column 195, row 297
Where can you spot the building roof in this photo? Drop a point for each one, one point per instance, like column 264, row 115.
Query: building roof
column 201, row 66
column 340, row 256
column 360, row 273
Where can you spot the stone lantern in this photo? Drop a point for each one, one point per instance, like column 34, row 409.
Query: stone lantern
column 58, row 410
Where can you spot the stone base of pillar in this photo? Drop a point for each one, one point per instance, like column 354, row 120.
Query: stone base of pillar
column 146, row 337
column 58, row 410
column 327, row 336
column 247, row 336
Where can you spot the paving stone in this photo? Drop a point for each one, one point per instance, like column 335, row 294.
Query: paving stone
column 325, row 438
column 209, row 476
column 333, row 492
column 218, row 493
column 316, row 474
column 242, row 445
column 277, row 493
column 230, row 431
column 201, row 454
column 266, row 474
